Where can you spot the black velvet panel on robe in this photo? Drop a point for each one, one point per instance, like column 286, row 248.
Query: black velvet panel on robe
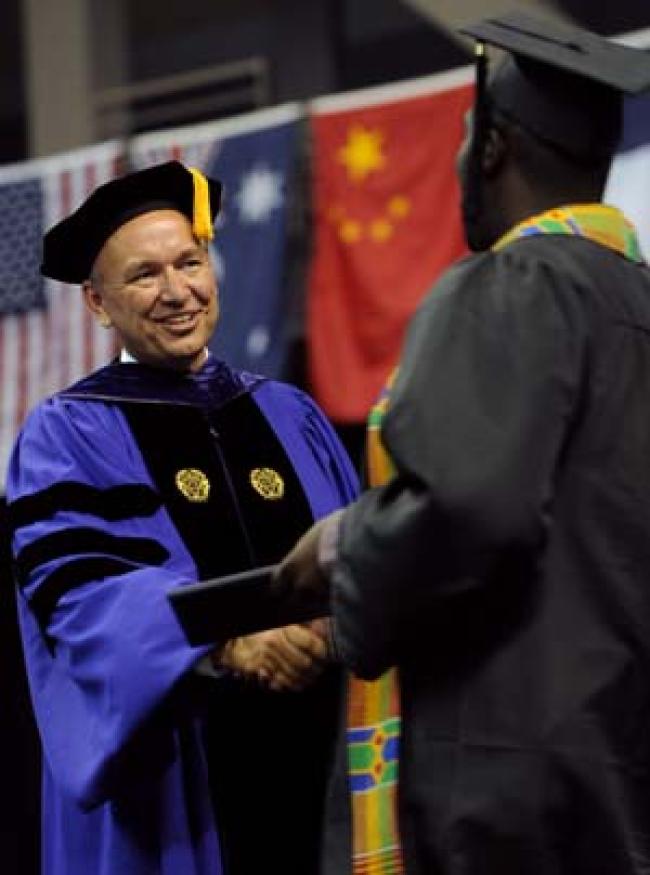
column 269, row 752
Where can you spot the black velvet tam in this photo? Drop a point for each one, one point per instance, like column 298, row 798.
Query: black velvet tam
column 562, row 84
column 71, row 247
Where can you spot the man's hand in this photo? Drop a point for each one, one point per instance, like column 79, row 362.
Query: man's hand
column 289, row 658
column 301, row 573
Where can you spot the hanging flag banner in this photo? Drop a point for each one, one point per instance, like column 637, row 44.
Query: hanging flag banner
column 48, row 339
column 387, row 223
column 21, row 232
column 254, row 157
column 628, row 184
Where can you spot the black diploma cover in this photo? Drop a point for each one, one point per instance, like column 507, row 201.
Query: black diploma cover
column 239, row 604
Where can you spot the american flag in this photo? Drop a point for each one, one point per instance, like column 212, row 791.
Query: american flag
column 48, row 347
column 21, row 288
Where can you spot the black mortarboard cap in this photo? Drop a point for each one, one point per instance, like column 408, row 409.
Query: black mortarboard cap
column 71, row 247
column 562, row 84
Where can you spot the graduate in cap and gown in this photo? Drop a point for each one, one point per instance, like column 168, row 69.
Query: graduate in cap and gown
column 164, row 468
column 502, row 568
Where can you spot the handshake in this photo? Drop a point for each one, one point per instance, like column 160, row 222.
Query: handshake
column 273, row 620
column 289, row 658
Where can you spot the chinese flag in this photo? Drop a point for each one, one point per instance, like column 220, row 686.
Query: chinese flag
column 387, row 223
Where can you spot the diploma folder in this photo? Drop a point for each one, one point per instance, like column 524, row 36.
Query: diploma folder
column 238, row 604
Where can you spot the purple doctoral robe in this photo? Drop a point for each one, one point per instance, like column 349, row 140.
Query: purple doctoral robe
column 97, row 549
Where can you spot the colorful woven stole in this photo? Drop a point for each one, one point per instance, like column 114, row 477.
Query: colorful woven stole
column 597, row 222
column 373, row 733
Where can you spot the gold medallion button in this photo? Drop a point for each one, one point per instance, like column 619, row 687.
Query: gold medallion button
column 267, row 483
column 193, row 484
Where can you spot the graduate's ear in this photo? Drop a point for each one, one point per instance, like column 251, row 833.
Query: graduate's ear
column 95, row 302
column 495, row 149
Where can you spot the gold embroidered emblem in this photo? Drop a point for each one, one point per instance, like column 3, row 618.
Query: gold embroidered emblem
column 268, row 483
column 193, row 484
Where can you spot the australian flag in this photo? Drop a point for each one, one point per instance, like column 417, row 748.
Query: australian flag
column 256, row 168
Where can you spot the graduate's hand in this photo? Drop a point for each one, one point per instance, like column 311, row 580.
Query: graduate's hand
column 306, row 654
column 282, row 659
column 322, row 627
column 301, row 574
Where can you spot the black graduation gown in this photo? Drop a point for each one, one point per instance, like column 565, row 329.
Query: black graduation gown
column 506, row 570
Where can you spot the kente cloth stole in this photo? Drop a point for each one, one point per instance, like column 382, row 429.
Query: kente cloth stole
column 373, row 727
column 597, row 222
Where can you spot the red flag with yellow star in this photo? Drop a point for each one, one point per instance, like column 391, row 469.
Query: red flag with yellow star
column 387, row 223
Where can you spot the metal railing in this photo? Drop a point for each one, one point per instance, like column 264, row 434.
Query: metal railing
column 183, row 98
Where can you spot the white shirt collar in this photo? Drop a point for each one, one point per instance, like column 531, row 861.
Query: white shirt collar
column 127, row 359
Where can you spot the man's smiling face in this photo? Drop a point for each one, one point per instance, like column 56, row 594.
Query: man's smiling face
column 153, row 282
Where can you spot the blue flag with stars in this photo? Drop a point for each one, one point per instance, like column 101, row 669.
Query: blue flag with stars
column 255, row 168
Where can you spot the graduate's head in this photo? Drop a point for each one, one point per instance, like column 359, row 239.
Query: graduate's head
column 545, row 123
column 139, row 248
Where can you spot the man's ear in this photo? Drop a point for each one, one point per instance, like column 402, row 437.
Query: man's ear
column 95, row 303
column 494, row 151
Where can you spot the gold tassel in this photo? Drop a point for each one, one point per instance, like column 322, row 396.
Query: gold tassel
column 202, row 219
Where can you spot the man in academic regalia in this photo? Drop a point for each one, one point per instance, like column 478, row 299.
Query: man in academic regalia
column 165, row 468
column 504, row 568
